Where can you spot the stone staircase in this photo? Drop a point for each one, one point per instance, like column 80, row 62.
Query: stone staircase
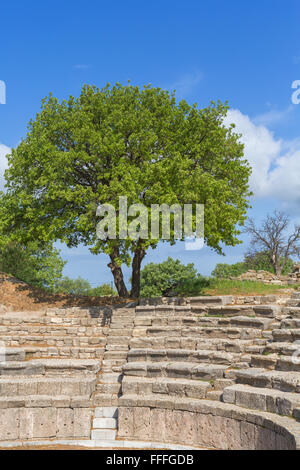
column 171, row 371
column 272, row 383
column 45, row 398
column 212, row 350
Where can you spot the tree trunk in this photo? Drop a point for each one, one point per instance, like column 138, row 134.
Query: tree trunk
column 278, row 270
column 136, row 272
column 117, row 274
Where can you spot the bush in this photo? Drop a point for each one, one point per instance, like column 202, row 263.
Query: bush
column 164, row 278
column 103, row 290
column 192, row 287
column 225, row 271
column 77, row 286
column 81, row 286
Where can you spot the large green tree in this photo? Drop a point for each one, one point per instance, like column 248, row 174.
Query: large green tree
column 124, row 141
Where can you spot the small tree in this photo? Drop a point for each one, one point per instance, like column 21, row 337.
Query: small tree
column 261, row 261
column 272, row 238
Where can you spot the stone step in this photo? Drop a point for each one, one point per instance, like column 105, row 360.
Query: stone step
column 45, row 401
column 105, row 423
column 112, row 362
column 264, row 361
column 53, row 329
column 67, row 366
column 211, row 309
column 296, row 295
column 200, row 332
column 115, row 355
column 288, row 323
column 184, row 355
column 103, row 434
column 194, row 343
column 112, row 368
column 214, row 395
column 292, row 311
column 286, row 335
column 74, row 352
column 278, row 362
column 105, row 400
column 41, row 385
column 264, row 399
column 107, row 388
column 240, row 321
column 254, row 349
column 106, row 412
column 119, row 325
column 51, row 340
column 163, row 385
column 281, row 348
column 279, row 380
column 211, row 300
column 167, row 311
column 120, row 332
column 23, row 322
column 109, row 378
column 116, row 347
column 289, row 363
column 184, row 370
column 21, row 368
column 268, row 311
column 12, row 354
column 44, row 352
column 119, row 340
column 247, row 322
column 292, row 303
column 164, row 320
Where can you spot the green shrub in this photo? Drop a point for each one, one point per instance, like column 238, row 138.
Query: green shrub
column 159, row 279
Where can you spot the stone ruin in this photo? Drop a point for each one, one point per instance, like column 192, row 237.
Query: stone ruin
column 203, row 372
column 269, row 278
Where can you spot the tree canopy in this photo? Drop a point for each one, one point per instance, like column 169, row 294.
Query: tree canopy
column 123, row 141
column 36, row 264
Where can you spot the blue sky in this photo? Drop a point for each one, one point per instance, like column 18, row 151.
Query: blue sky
column 245, row 52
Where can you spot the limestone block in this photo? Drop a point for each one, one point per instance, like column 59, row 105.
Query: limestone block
column 82, row 422
column 125, row 422
column 9, row 424
column 65, row 423
column 247, row 436
column 141, row 423
column 174, row 426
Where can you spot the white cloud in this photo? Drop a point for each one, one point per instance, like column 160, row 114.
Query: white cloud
column 4, row 150
column 261, row 148
column 274, row 116
column 275, row 162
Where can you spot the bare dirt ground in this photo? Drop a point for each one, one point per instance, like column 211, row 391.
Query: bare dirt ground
column 17, row 296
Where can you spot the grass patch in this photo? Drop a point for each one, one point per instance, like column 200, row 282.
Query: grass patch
column 214, row 286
